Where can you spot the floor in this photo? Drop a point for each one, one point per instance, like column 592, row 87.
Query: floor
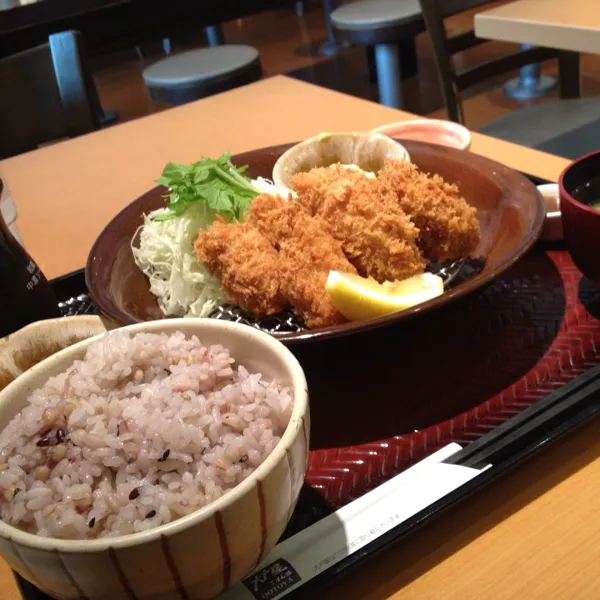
column 288, row 44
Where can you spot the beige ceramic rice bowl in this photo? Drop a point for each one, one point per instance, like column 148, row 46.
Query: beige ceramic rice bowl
column 197, row 555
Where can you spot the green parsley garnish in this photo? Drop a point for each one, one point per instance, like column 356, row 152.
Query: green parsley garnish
column 219, row 184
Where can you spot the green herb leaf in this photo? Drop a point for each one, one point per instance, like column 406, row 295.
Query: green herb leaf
column 220, row 185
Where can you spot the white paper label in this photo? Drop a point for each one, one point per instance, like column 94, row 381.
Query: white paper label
column 322, row 545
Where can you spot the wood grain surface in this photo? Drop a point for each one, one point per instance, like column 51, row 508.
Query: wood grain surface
column 573, row 25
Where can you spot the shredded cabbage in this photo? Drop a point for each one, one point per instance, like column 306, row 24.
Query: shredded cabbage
column 266, row 186
column 165, row 254
column 181, row 283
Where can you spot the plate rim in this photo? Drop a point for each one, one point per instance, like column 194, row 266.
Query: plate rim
column 337, row 331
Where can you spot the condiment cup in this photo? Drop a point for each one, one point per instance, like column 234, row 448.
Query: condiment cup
column 366, row 150
column 434, row 131
column 9, row 210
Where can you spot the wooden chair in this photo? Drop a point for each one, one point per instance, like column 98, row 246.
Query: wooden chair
column 534, row 126
column 47, row 93
column 454, row 81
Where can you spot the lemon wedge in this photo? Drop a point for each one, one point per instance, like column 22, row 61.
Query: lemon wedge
column 360, row 298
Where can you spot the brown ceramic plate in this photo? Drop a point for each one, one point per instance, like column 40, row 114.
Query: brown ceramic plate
column 510, row 210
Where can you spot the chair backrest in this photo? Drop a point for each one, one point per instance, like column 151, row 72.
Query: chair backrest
column 46, row 93
column 445, row 46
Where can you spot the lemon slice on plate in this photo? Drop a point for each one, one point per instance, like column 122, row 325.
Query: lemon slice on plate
column 360, row 298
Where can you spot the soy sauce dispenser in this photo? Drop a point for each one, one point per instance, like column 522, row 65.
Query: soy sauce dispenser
column 25, row 294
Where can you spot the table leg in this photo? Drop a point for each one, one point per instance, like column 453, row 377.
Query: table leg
column 331, row 46
column 529, row 84
column 387, row 61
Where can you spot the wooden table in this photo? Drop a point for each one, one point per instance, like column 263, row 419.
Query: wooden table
column 533, row 534
column 562, row 24
column 68, row 192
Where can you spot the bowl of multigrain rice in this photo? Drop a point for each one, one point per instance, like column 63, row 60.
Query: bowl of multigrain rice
column 161, row 460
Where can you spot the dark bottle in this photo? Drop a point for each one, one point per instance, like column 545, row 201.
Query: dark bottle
column 25, row 294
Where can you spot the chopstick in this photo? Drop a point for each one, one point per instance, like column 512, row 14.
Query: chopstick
column 538, row 424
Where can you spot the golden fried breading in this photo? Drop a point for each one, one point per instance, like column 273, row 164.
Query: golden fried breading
column 448, row 226
column 311, row 185
column 376, row 235
column 273, row 216
column 245, row 262
column 307, row 255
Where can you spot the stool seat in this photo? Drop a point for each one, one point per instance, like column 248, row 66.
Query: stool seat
column 386, row 25
column 376, row 13
column 198, row 73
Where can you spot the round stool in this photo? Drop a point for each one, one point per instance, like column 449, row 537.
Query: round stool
column 199, row 73
column 386, row 25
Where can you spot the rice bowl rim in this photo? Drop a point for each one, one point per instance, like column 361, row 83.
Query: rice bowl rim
column 188, row 326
